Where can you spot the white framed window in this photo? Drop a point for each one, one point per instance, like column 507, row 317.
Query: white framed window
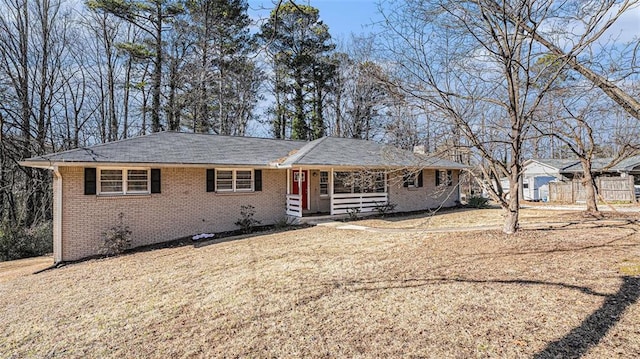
column 324, row 183
column 123, row 181
column 299, row 176
column 224, row 180
column 234, row 180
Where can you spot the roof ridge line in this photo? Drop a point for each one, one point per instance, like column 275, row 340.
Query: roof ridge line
column 235, row 136
column 308, row 147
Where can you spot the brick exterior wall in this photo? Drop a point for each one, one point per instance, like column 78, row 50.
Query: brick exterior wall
column 184, row 208
column 409, row 199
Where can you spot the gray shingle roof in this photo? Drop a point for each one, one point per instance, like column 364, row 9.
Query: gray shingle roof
column 180, row 148
column 336, row 151
column 174, row 148
column 627, row 164
column 601, row 165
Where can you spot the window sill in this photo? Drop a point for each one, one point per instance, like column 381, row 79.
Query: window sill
column 231, row 193
column 130, row 195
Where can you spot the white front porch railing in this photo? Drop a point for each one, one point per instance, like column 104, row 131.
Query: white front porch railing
column 342, row 203
column 294, row 205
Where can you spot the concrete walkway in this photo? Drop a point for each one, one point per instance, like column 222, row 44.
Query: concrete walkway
column 587, row 223
column 527, row 226
column 580, row 207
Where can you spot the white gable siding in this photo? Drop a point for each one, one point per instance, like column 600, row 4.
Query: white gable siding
column 537, row 169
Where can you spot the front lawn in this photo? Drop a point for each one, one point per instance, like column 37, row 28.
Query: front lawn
column 327, row 292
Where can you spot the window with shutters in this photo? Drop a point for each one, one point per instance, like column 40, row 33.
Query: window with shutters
column 234, row 180
column 410, row 179
column 444, row 178
column 123, row 181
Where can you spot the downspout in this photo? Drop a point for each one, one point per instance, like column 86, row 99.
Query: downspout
column 459, row 189
column 57, row 216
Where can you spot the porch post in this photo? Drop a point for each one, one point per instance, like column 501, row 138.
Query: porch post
column 300, row 190
column 288, row 181
column 331, row 191
column 386, row 185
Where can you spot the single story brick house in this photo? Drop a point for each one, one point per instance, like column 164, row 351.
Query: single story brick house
column 171, row 185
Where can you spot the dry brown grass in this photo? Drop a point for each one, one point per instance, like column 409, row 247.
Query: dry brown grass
column 326, row 292
column 472, row 218
column 19, row 268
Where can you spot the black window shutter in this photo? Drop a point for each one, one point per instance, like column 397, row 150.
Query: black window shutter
column 155, row 180
column 257, row 182
column 437, row 178
column 449, row 178
column 89, row 181
column 211, row 180
column 405, row 179
column 420, row 179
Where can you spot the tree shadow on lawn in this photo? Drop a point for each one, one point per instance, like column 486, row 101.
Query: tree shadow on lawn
column 575, row 343
column 579, row 340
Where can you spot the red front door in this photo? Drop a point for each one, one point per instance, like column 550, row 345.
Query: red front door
column 300, row 185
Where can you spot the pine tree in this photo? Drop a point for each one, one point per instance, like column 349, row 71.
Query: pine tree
column 299, row 44
column 224, row 78
column 152, row 17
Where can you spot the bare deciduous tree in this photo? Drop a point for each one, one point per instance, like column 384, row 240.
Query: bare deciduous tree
column 475, row 62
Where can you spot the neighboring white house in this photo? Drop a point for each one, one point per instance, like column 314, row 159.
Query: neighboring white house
column 537, row 173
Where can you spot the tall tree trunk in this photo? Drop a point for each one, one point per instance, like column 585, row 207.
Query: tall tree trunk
column 127, row 89
column 111, row 91
column 279, row 124
column 157, row 72
column 202, row 120
column 23, row 93
column 512, row 211
column 173, row 112
column 145, row 102
column 299, row 125
column 338, row 126
column 588, row 181
column 223, row 121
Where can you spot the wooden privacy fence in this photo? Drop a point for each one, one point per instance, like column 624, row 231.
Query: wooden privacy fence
column 611, row 189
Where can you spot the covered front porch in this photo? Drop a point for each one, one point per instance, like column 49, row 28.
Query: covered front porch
column 317, row 191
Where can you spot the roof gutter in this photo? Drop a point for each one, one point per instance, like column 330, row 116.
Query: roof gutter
column 44, row 165
column 50, row 165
